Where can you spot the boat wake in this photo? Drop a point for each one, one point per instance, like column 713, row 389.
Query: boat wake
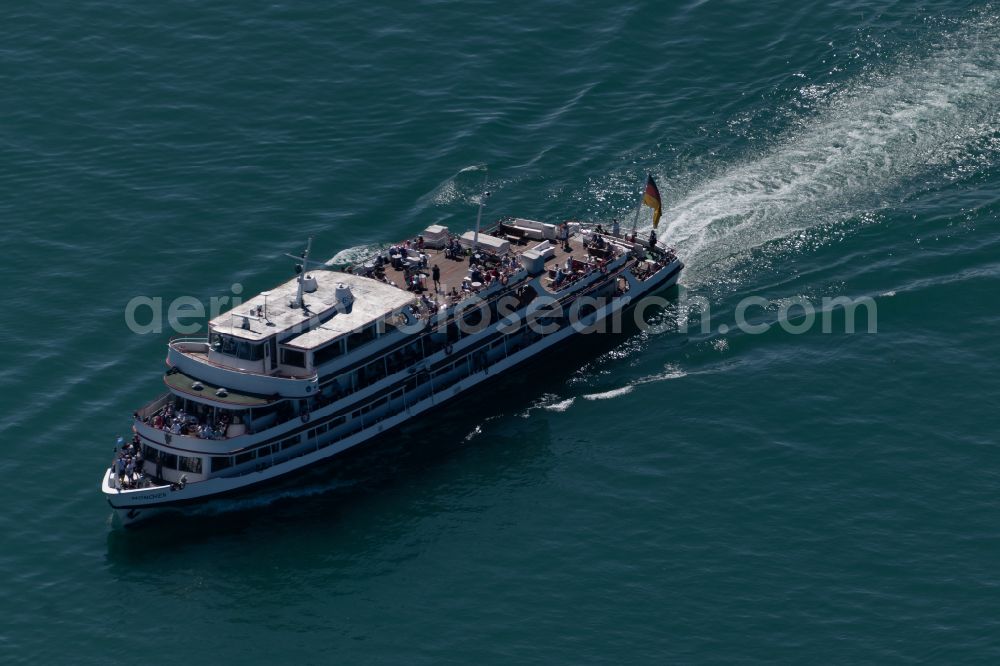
column 891, row 133
column 864, row 150
column 353, row 255
column 555, row 403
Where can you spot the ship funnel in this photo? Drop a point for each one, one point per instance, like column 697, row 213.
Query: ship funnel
column 344, row 297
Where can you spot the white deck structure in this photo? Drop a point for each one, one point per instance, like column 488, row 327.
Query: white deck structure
column 333, row 304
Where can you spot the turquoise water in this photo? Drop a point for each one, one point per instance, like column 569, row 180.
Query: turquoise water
column 657, row 497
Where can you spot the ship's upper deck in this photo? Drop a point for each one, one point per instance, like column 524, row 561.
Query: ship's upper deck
column 322, row 316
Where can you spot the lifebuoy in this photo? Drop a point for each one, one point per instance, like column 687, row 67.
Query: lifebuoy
column 305, row 417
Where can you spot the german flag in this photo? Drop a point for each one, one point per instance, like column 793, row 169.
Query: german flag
column 652, row 199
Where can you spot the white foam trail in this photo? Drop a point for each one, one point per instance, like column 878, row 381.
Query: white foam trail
column 560, row 406
column 872, row 137
column 671, row 372
column 353, row 255
column 449, row 190
column 549, row 402
column 608, row 395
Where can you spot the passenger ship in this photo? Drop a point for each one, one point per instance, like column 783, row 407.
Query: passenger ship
column 339, row 355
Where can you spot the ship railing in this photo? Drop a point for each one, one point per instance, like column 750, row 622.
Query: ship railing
column 189, row 345
column 154, row 407
column 612, row 266
column 647, row 268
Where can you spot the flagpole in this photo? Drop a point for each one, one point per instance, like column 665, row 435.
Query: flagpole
column 638, row 208
column 479, row 215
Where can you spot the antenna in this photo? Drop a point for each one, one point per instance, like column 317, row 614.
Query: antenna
column 311, row 264
column 301, row 270
column 265, row 294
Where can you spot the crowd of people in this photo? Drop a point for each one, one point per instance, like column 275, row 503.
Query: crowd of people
column 413, row 261
column 419, row 276
column 572, row 270
column 128, row 463
column 486, row 268
column 178, row 422
column 453, row 249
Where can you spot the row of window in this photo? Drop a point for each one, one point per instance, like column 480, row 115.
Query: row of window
column 328, row 353
column 220, row 463
column 227, row 344
column 293, row 357
column 323, row 427
column 242, row 349
column 172, row 461
column 331, row 351
column 369, row 374
column 358, row 338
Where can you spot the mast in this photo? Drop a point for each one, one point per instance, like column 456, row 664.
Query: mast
column 479, row 215
column 301, row 269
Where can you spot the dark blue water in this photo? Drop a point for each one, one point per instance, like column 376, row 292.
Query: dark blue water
column 661, row 496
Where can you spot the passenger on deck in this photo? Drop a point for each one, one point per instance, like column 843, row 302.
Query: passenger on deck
column 652, row 238
column 615, row 227
column 560, row 276
column 564, row 236
column 436, row 276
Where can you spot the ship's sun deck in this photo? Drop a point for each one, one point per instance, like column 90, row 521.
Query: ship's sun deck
column 458, row 277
